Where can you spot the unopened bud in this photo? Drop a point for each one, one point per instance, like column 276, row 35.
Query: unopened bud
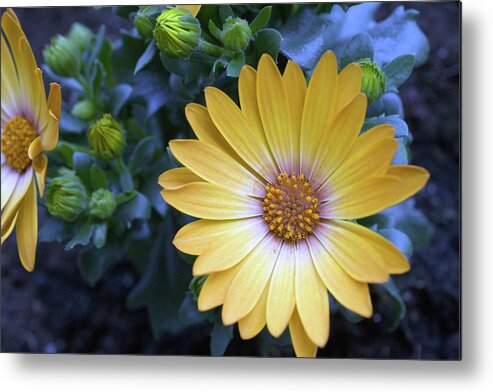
column 102, row 204
column 106, row 138
column 236, row 34
column 373, row 83
column 61, row 56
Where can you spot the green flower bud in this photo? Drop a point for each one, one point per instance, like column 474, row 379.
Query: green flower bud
column 106, row 138
column 145, row 20
column 80, row 36
column 84, row 109
column 102, row 204
column 66, row 197
column 61, row 56
column 177, row 33
column 236, row 34
column 373, row 83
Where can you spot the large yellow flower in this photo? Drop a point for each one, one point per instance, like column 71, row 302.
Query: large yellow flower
column 29, row 127
column 277, row 184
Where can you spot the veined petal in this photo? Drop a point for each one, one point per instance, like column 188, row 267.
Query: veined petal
column 9, row 228
column 348, row 292
column 9, row 180
column 348, row 85
column 209, row 201
column 312, row 300
column 178, row 177
column 303, row 346
column 337, row 140
column 413, row 178
column 244, row 139
column 196, row 237
column 247, row 287
column 356, row 256
column 318, row 108
column 251, row 325
column 27, row 228
column 275, row 112
column 216, row 166
column 295, row 83
column 12, row 206
column 35, row 148
column 230, row 248
column 216, row 286
column 281, row 298
column 11, row 90
column 55, row 100
column 40, row 164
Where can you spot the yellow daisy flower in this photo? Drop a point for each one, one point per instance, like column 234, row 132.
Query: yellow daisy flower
column 29, row 127
column 277, row 184
column 193, row 8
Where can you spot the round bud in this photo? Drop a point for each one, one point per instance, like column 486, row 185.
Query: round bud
column 177, row 33
column 102, row 204
column 84, row 109
column 61, row 56
column 66, row 197
column 373, row 83
column 236, row 34
column 106, row 138
column 80, row 36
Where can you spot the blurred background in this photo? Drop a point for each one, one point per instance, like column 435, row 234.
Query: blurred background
column 54, row 310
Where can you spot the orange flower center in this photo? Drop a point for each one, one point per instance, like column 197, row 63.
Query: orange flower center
column 17, row 136
column 291, row 207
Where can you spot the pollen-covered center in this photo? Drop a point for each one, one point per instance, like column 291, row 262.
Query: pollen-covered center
column 291, row 207
column 17, row 136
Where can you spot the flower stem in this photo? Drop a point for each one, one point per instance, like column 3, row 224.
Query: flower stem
column 214, row 50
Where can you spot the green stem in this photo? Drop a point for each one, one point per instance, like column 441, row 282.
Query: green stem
column 214, row 50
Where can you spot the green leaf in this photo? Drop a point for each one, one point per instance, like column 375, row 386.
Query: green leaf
column 92, row 264
column 124, row 197
column 392, row 296
column 82, row 166
column 268, row 41
column 97, row 76
column 125, row 178
column 398, row 70
column 261, row 19
column 214, row 30
column 137, row 208
column 398, row 35
column 225, row 11
column 146, row 57
column 174, row 162
column 119, row 98
column 97, row 45
column 220, row 337
column 83, row 236
column 98, row 177
column 235, row 65
column 54, row 230
column 197, row 66
column 401, row 128
column 399, row 239
column 71, row 124
column 392, row 104
column 99, row 236
column 361, row 46
column 401, row 156
column 142, row 153
column 188, row 313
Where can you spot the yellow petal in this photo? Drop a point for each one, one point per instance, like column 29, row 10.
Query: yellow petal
column 27, row 229
column 193, row 8
column 215, row 288
column 40, row 164
column 275, row 112
column 230, row 248
column 312, row 300
column 338, row 140
column 318, row 108
column 348, row 292
column 217, row 167
column 350, row 250
column 249, row 284
column 251, row 325
column 209, row 201
column 295, row 83
column 178, row 177
column 9, row 228
column 35, row 148
column 196, row 237
column 55, row 100
column 413, row 178
column 281, row 299
column 233, row 125
column 11, row 90
column 348, row 85
column 9, row 180
column 12, row 206
column 303, row 346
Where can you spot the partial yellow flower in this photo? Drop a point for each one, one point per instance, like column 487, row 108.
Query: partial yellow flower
column 29, row 127
column 277, row 184
column 193, row 8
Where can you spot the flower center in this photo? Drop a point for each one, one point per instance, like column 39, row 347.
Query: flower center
column 17, row 136
column 291, row 207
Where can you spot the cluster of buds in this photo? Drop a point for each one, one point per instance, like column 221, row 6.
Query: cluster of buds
column 373, row 83
column 106, row 138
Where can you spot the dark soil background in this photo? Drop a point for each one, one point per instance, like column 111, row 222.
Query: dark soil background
column 54, row 310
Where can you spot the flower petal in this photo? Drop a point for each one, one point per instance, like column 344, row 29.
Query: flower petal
column 348, row 292
column 27, row 229
column 249, row 284
column 349, row 248
column 275, row 112
column 312, row 300
column 35, row 148
column 193, row 8
column 9, row 228
column 9, row 180
column 178, row 177
column 281, row 299
column 303, row 346
column 209, row 201
column 230, row 248
column 55, row 100
column 244, row 138
column 40, row 164
column 217, row 167
column 251, row 325
column 348, row 85
column 413, row 178
column 12, row 206
column 318, row 108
